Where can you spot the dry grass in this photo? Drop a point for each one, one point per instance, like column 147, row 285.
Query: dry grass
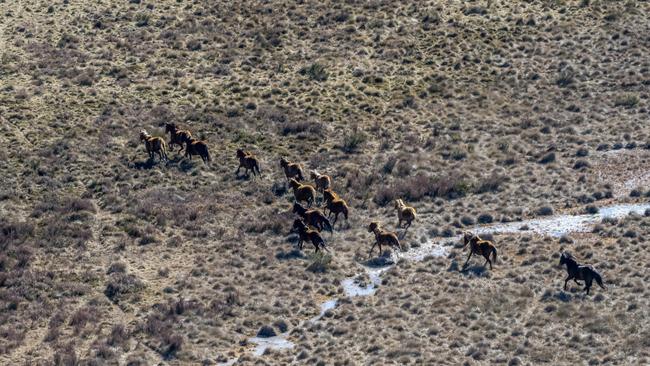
column 473, row 112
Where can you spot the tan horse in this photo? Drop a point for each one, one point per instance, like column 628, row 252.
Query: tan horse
column 154, row 145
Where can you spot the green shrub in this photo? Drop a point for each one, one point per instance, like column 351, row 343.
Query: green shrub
column 320, row 262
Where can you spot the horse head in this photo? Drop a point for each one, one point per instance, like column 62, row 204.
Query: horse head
column 467, row 237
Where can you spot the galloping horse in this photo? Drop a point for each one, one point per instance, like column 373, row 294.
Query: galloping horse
column 579, row 272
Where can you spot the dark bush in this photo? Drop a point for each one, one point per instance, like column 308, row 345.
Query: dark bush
column 315, row 72
column 485, row 218
column 122, row 284
column 544, row 211
column 548, row 158
column 266, row 331
column 581, row 164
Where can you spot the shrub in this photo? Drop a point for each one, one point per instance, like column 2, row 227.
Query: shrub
column 565, row 78
column 485, row 218
column 292, row 128
column 194, row 45
column 117, row 267
column 627, row 101
column 315, row 72
column 581, row 164
column 548, row 158
column 320, row 262
column 122, row 284
column 545, row 211
column 353, row 141
column 142, row 19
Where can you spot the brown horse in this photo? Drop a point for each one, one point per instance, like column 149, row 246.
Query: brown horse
column 303, row 192
column 313, row 217
column 248, row 161
column 196, row 147
column 307, row 234
column 176, row 136
column 479, row 246
column 322, row 181
column 291, row 170
column 154, row 145
column 382, row 236
column 579, row 272
column 335, row 205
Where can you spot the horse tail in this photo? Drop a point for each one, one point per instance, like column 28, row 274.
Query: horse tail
column 256, row 166
column 598, row 279
column 494, row 253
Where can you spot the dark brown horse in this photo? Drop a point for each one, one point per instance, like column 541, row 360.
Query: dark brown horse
column 479, row 246
column 307, row 234
column 176, row 136
column 579, row 272
column 313, row 217
column 248, row 161
column 196, row 147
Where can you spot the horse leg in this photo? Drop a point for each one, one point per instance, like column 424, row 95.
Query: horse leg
column 468, row 257
column 487, row 260
column 371, row 248
column 237, row 172
column 588, row 285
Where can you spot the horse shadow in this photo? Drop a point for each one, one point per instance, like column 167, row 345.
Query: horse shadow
column 243, row 177
column 294, row 253
column 475, row 270
column 145, row 165
column 184, row 165
column 382, row 261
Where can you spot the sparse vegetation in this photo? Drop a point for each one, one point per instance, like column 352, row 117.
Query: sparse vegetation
column 473, row 112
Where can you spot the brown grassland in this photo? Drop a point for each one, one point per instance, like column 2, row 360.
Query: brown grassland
column 472, row 112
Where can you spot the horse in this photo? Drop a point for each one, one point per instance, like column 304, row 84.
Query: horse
column 383, row 237
column 313, row 217
column 307, row 234
column 579, row 272
column 154, row 145
column 479, row 246
column 196, row 147
column 292, row 170
column 176, row 136
column 303, row 192
column 248, row 161
column 404, row 213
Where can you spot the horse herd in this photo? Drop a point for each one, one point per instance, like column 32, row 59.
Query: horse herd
column 311, row 221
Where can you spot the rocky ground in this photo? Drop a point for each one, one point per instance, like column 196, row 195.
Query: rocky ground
column 473, row 112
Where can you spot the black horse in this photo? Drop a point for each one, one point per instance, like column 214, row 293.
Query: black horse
column 580, row 272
